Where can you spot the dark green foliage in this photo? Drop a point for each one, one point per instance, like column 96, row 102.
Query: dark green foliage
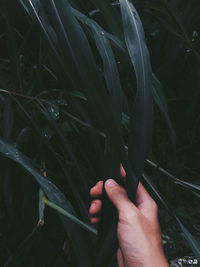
column 80, row 87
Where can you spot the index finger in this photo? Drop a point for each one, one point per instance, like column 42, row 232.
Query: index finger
column 143, row 198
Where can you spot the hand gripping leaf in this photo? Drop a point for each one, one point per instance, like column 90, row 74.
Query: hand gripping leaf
column 141, row 117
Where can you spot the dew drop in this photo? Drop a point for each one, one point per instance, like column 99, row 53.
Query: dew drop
column 189, row 50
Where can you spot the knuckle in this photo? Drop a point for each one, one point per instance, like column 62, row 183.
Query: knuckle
column 128, row 214
column 95, row 202
column 118, row 191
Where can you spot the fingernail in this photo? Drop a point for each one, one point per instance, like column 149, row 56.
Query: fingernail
column 111, row 183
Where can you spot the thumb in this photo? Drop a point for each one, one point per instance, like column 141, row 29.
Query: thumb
column 118, row 196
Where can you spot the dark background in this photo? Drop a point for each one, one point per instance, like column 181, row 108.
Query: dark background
column 172, row 35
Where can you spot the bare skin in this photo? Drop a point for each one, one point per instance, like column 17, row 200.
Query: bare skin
column 139, row 235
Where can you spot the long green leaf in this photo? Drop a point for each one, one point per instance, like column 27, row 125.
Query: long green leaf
column 55, row 195
column 141, row 120
column 111, row 73
column 188, row 185
column 113, row 20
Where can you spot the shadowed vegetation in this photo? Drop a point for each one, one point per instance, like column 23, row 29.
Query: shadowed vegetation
column 83, row 88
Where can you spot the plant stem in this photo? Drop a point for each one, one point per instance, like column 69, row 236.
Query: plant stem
column 70, row 216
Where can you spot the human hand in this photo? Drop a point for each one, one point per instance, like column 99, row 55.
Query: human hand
column 138, row 230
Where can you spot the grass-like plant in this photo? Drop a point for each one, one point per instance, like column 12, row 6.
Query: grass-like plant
column 77, row 99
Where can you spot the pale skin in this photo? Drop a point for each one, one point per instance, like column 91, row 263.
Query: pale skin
column 138, row 230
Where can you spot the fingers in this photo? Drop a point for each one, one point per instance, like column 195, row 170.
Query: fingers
column 96, row 191
column 94, row 210
column 94, row 220
column 122, row 171
column 118, row 196
column 143, row 199
column 96, row 205
column 142, row 195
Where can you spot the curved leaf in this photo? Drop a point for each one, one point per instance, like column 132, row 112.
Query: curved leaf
column 142, row 116
column 111, row 73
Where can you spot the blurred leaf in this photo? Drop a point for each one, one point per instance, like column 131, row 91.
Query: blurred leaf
column 73, row 231
column 195, row 246
column 18, row 257
column 13, row 47
column 8, row 118
column 160, row 100
column 188, row 185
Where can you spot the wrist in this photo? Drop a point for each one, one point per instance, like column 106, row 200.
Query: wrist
column 154, row 258
column 149, row 262
column 158, row 260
